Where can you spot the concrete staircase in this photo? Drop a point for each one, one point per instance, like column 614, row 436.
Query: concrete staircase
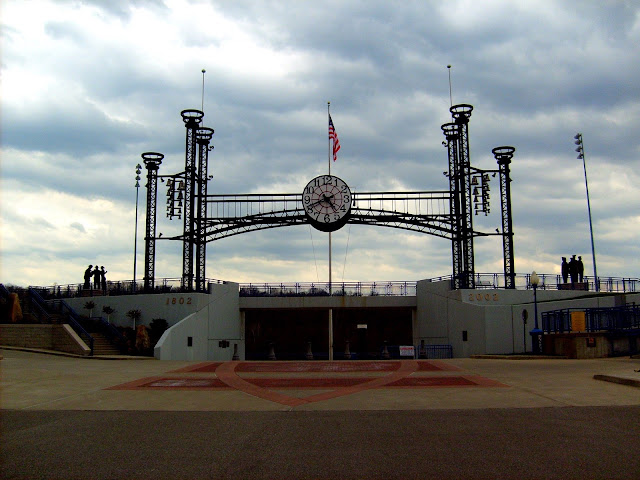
column 102, row 345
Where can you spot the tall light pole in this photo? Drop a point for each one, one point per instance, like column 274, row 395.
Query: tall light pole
column 536, row 333
column 580, row 150
column 135, row 241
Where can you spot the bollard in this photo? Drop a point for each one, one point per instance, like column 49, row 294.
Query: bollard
column 347, row 352
column 309, row 355
column 385, row 352
column 422, row 353
column 272, row 352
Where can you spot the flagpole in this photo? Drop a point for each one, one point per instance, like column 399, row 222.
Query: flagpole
column 202, row 104
column 329, row 162
column 330, row 309
column 328, row 139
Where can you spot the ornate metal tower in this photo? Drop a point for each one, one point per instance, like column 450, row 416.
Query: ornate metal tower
column 152, row 161
column 461, row 114
column 452, row 134
column 203, row 137
column 192, row 119
column 503, row 156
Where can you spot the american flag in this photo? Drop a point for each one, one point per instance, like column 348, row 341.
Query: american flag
column 334, row 136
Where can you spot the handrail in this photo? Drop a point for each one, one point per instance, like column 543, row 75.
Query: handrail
column 320, row 289
column 39, row 307
column 114, row 335
column 548, row 281
column 73, row 322
column 610, row 319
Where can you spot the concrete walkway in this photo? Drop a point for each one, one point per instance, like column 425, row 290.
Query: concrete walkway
column 70, row 418
column 43, row 382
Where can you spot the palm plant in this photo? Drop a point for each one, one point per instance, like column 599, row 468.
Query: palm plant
column 90, row 306
column 135, row 316
column 108, row 311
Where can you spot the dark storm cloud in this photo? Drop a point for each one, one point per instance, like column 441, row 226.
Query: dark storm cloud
column 536, row 75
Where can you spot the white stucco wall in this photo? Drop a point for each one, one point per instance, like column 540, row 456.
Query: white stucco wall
column 217, row 320
column 172, row 307
column 491, row 318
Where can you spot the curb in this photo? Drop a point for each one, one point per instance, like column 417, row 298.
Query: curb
column 631, row 382
column 73, row 355
column 520, row 357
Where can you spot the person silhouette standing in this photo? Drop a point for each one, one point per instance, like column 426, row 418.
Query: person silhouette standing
column 87, row 277
column 565, row 270
column 580, row 266
column 88, row 273
column 573, row 269
column 103, row 278
column 96, row 278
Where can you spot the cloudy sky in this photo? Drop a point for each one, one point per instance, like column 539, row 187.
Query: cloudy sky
column 87, row 86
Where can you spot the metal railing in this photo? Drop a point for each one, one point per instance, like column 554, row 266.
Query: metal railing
column 124, row 287
column 612, row 319
column 318, row 289
column 554, row 282
column 482, row 281
column 434, row 351
column 112, row 333
column 72, row 317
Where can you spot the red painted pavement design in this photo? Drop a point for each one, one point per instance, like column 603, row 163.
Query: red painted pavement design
column 227, row 378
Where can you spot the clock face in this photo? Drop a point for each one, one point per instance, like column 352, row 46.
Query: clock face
column 327, row 202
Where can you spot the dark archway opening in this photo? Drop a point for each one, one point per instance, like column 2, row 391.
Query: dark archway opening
column 290, row 331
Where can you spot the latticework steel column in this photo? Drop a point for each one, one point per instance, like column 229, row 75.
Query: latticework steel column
column 503, row 156
column 203, row 137
column 451, row 132
column 192, row 119
column 461, row 114
column 152, row 161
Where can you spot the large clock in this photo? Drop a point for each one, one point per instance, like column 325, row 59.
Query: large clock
column 327, row 202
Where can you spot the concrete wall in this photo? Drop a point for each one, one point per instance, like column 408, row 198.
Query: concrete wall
column 48, row 337
column 326, row 302
column 173, row 307
column 492, row 319
column 218, row 320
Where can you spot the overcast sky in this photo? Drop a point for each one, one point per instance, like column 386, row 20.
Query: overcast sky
column 87, row 86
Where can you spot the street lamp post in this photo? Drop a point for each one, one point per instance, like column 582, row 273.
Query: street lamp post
column 580, row 150
column 536, row 333
column 135, row 241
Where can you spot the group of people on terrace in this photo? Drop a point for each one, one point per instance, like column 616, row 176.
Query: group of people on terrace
column 99, row 278
column 574, row 269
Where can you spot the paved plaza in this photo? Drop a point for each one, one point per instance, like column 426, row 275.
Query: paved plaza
column 68, row 417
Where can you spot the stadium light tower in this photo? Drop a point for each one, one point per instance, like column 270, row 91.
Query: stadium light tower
column 580, row 150
column 135, row 241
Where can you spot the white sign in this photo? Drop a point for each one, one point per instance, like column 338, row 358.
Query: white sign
column 362, row 325
column 407, row 351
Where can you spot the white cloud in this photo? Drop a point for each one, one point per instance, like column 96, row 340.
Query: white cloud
column 87, row 87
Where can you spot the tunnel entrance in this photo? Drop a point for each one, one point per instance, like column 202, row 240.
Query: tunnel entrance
column 290, row 330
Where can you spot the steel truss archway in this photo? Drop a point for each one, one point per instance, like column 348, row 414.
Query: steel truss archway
column 446, row 214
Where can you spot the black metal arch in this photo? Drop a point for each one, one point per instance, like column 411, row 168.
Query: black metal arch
column 235, row 214
column 445, row 214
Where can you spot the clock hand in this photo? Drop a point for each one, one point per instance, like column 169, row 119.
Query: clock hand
column 316, row 203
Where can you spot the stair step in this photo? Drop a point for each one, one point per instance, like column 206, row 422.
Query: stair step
column 102, row 345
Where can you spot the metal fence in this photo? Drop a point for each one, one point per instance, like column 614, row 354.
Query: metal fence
column 355, row 289
column 613, row 319
column 554, row 282
column 387, row 288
